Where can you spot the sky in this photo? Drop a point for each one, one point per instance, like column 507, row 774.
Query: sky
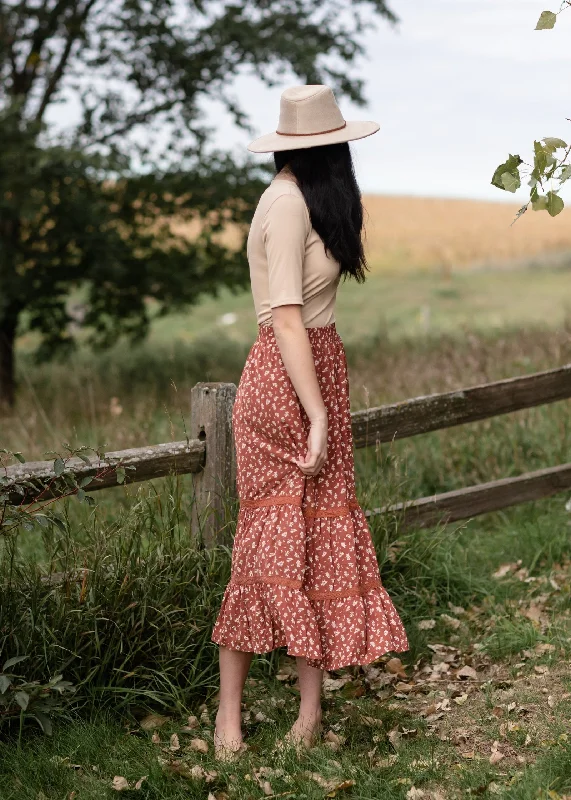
column 456, row 86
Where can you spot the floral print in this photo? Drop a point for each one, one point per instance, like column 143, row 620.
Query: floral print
column 304, row 569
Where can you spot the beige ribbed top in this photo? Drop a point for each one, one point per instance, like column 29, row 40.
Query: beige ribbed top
column 287, row 258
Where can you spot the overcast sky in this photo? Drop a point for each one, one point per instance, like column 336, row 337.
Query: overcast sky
column 456, row 87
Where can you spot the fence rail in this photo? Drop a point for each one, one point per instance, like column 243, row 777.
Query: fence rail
column 437, row 411
column 210, row 455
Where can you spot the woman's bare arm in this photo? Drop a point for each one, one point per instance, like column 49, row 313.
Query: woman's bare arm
column 295, row 349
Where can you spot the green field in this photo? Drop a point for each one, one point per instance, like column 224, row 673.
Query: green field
column 409, row 304
column 493, row 594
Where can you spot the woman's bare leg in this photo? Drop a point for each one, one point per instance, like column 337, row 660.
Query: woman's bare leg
column 234, row 666
column 306, row 726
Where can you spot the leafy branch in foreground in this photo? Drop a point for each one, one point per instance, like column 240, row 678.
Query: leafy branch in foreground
column 22, row 699
column 551, row 166
column 24, row 502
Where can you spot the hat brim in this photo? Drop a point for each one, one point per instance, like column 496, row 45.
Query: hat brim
column 272, row 142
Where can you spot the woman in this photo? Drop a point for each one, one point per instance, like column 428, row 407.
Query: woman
column 304, row 570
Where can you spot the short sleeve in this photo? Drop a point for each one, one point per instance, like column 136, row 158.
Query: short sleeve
column 285, row 229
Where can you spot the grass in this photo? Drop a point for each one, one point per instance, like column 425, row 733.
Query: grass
column 493, row 593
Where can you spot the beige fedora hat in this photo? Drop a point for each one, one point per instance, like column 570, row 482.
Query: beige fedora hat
column 310, row 116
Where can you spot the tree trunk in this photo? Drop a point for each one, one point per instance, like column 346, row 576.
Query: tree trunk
column 8, row 325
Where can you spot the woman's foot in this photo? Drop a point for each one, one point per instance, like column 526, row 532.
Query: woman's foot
column 304, row 733
column 228, row 741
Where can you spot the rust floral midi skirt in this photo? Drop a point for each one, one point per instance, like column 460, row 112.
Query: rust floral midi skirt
column 304, row 570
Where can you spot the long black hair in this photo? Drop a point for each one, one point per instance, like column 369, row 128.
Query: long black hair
column 326, row 177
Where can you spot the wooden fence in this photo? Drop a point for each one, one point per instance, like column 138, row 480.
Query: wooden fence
column 210, row 453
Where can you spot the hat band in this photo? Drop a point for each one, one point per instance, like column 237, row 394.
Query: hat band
column 316, row 133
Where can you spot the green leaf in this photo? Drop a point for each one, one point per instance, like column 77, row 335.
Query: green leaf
column 552, row 143
column 22, row 698
column 59, row 523
column 565, row 174
column 42, row 520
column 20, row 458
column 511, row 166
column 44, row 722
column 81, row 495
column 4, row 683
column 120, row 472
column 546, row 21
column 540, row 203
column 511, row 183
column 541, row 160
column 12, row 662
column 89, row 500
column 85, row 481
column 555, row 204
column 59, row 467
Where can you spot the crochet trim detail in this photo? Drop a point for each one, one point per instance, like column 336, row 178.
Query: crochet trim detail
column 311, row 512
column 340, row 511
column 317, row 594
column 290, row 583
column 278, row 500
column 312, row 594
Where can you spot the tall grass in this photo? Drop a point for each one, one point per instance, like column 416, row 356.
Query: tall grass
column 129, row 616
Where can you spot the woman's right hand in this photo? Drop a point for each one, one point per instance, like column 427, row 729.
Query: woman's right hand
column 316, row 454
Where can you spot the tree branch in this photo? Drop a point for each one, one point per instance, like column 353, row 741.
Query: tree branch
column 75, row 30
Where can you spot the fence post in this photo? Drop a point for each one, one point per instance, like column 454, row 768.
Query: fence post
column 211, row 421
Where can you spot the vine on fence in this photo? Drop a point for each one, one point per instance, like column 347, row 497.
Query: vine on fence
column 27, row 513
column 551, row 166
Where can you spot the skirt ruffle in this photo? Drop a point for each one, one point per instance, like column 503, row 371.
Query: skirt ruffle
column 331, row 619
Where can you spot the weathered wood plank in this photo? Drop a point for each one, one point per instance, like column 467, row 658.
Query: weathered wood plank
column 437, row 411
column 154, row 461
column 211, row 407
column 475, row 500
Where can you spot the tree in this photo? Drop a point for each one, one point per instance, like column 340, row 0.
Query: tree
column 551, row 160
column 87, row 207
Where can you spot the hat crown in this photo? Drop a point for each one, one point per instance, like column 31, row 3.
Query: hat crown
column 309, row 109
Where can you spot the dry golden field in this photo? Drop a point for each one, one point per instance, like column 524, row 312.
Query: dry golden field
column 419, row 232
column 432, row 232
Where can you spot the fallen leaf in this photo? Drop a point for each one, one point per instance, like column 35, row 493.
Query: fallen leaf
column 152, row 721
column 395, row 667
column 452, row 622
column 199, row 745
column 394, row 736
column 467, row 672
column 140, row 781
column 386, row 761
column 174, row 743
column 414, row 793
column 426, row 624
column 461, row 700
column 333, row 684
column 505, row 569
column 372, row 722
column 496, row 755
column 120, row 784
column 333, row 740
column 197, row 772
